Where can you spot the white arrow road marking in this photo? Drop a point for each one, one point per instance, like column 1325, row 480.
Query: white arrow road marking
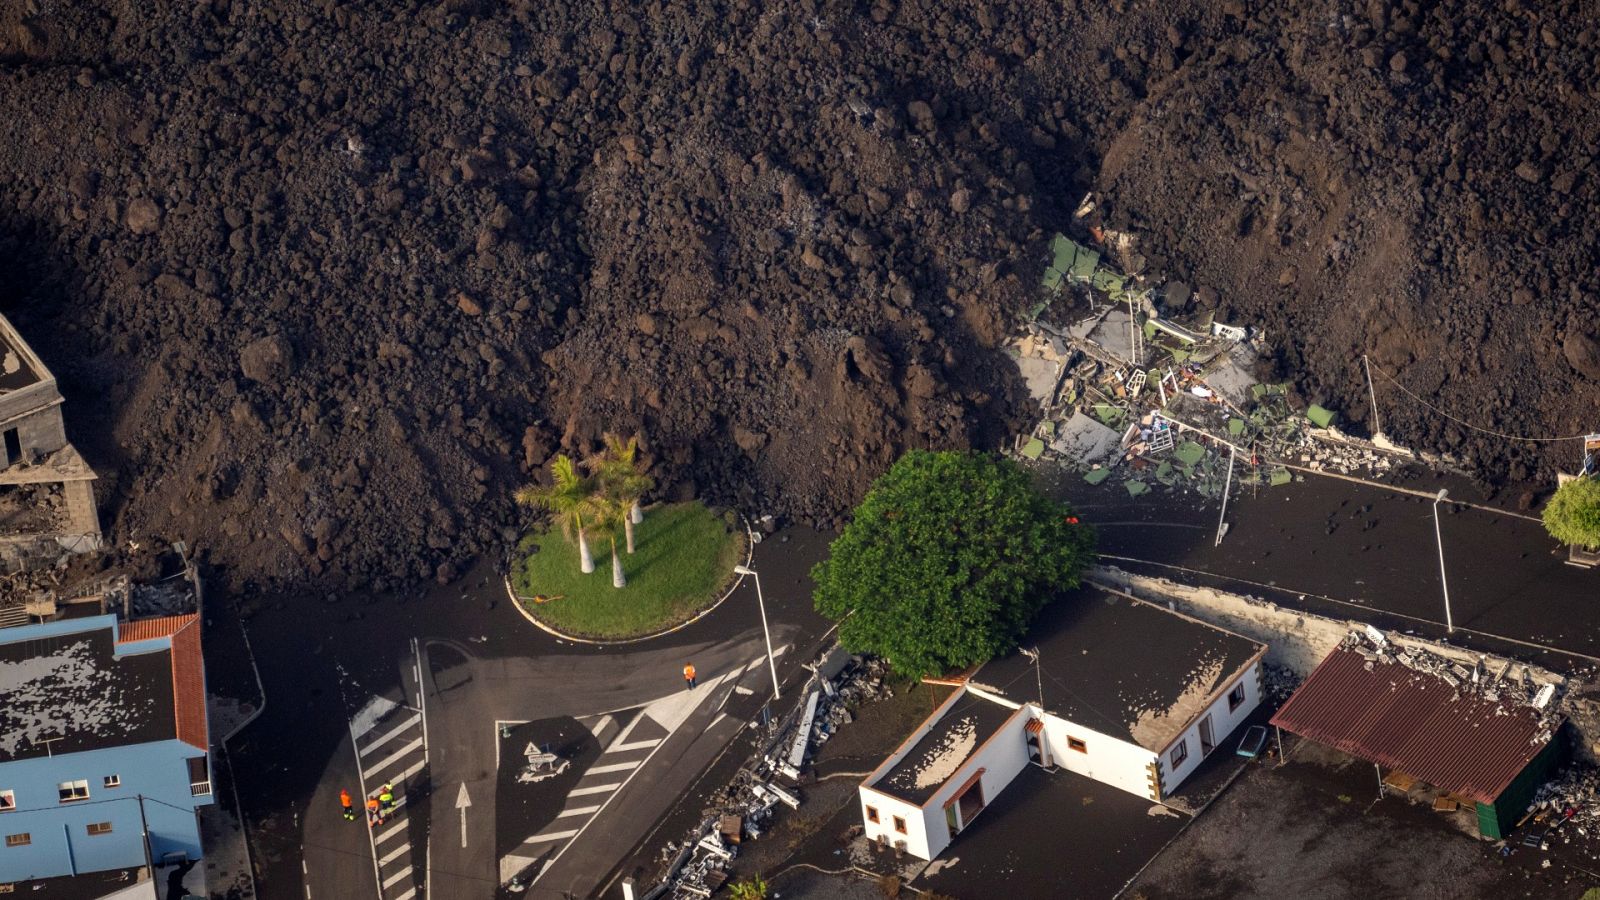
column 462, row 802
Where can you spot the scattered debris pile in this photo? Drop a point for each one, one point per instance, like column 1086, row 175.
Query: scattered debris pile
column 743, row 810
column 1278, row 682
column 1498, row 684
column 1119, row 377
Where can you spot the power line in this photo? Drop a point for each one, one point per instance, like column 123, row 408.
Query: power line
column 1465, row 424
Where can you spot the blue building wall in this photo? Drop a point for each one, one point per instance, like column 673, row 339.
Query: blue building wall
column 157, row 772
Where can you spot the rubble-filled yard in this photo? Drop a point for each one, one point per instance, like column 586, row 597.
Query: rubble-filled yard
column 1314, row 828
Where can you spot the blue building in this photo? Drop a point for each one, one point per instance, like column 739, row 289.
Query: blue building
column 103, row 743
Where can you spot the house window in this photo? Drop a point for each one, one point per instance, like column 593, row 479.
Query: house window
column 98, row 827
column 899, row 824
column 113, row 781
column 1236, row 697
column 1180, row 752
column 19, row 840
column 199, row 776
column 872, row 814
column 73, row 790
column 8, row 801
column 1077, row 744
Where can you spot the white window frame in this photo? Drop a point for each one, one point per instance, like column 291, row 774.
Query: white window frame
column 112, row 781
column 8, row 801
column 72, row 788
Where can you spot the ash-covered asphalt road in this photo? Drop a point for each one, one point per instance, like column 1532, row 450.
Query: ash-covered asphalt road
column 1371, row 547
column 481, row 661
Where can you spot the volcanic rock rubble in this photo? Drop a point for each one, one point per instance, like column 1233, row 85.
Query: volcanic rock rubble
column 328, row 279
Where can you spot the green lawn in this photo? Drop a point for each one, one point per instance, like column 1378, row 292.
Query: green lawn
column 683, row 558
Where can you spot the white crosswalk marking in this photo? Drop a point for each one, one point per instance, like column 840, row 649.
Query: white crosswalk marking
column 414, row 720
column 636, row 745
column 394, row 854
column 390, row 881
column 551, row 836
column 614, row 767
column 397, row 755
column 596, row 789
column 396, row 828
column 578, row 811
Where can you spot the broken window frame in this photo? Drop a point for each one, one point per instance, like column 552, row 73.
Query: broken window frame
column 8, row 801
column 1236, row 697
column 1179, row 754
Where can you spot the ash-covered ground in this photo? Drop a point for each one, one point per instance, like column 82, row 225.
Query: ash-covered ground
column 324, row 280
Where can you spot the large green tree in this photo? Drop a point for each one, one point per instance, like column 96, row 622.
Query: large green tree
column 571, row 498
column 947, row 561
column 1573, row 515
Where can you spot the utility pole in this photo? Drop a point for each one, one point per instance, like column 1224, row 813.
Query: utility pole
column 1377, row 426
column 1222, row 526
column 762, row 602
column 1449, row 626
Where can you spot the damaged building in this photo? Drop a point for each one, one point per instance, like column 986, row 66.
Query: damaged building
column 47, row 504
column 1112, row 688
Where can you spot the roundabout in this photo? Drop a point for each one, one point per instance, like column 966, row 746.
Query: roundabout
column 681, row 568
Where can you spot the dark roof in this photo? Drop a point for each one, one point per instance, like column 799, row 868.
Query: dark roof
column 1416, row 722
column 71, row 687
column 1125, row 668
column 939, row 755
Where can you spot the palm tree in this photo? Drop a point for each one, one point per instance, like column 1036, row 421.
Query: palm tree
column 571, row 498
column 622, row 479
column 609, row 514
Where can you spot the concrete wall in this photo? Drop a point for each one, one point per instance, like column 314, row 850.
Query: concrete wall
column 157, row 772
column 1223, row 722
column 41, row 432
column 1104, row 758
column 916, row 836
column 39, row 401
column 1001, row 757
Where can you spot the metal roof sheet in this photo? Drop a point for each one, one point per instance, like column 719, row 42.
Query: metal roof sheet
column 1415, row 722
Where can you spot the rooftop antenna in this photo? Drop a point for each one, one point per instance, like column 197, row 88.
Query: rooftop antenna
column 1033, row 654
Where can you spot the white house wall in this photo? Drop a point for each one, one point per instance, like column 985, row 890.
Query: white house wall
column 917, row 833
column 1001, row 757
column 1223, row 722
column 1105, row 759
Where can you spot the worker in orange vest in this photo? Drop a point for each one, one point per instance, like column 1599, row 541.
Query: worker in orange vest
column 688, row 675
column 374, row 815
column 345, row 804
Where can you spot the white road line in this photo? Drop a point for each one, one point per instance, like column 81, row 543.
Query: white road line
column 600, row 726
column 614, row 767
column 636, row 745
column 414, row 720
column 597, row 789
column 408, row 894
column 394, row 854
column 628, row 730
column 580, row 811
column 397, row 829
column 717, row 721
column 388, row 882
column 415, row 745
column 742, row 691
column 553, row 836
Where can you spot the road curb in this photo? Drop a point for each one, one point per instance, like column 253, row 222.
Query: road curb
column 516, row 602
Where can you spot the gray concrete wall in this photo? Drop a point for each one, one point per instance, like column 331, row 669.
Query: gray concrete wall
column 40, row 432
column 81, row 515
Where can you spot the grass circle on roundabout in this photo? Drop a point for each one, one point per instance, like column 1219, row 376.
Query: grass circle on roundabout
column 683, row 561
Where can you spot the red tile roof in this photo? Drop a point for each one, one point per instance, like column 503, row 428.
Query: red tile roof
column 1415, row 722
column 147, row 629
column 188, row 669
column 189, row 685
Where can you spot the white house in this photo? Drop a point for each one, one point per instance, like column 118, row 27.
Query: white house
column 1123, row 691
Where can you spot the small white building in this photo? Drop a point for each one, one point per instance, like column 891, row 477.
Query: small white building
column 1124, row 692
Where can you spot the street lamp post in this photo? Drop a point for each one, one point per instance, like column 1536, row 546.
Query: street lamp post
column 1449, row 625
column 761, row 601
